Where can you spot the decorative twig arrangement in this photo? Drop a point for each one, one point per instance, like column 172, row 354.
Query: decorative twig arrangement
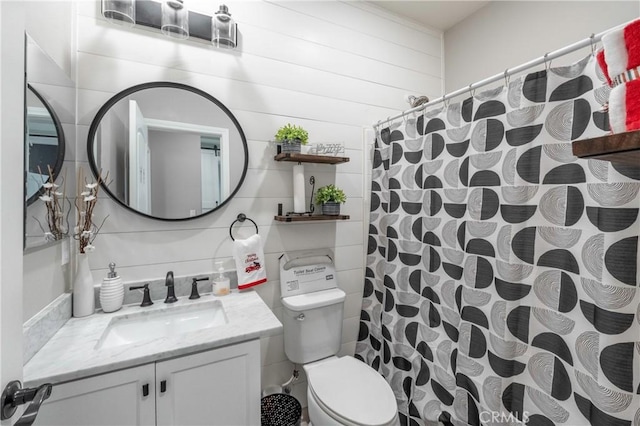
column 54, row 201
column 86, row 199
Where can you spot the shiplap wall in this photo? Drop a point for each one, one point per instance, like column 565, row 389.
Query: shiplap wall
column 333, row 67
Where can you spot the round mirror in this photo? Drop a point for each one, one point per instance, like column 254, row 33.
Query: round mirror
column 44, row 145
column 172, row 152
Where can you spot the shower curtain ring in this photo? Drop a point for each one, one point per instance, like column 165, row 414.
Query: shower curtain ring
column 472, row 92
column 593, row 44
column 547, row 64
column 506, row 77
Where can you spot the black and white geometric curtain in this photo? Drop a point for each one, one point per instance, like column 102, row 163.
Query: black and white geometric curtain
column 501, row 283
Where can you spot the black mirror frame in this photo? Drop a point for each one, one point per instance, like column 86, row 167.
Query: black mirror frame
column 162, row 84
column 61, row 146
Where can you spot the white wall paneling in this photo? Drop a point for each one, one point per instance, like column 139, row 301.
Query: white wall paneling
column 49, row 23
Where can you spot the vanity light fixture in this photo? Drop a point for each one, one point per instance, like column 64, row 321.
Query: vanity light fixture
column 223, row 29
column 173, row 19
column 120, row 12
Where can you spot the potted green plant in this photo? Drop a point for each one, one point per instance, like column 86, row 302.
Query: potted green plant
column 292, row 137
column 330, row 197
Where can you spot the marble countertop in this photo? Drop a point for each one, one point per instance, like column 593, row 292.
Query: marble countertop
column 71, row 353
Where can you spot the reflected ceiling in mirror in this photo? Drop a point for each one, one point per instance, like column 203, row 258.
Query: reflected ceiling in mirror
column 173, row 152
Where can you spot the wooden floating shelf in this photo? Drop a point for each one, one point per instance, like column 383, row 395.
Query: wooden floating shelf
column 623, row 148
column 310, row 158
column 310, row 218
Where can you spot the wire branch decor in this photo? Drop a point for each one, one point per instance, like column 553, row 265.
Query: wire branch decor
column 54, row 201
column 86, row 230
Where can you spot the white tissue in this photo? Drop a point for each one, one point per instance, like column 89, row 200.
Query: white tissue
column 306, row 261
column 298, row 189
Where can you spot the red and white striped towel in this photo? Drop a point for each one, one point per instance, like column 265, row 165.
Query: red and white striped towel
column 622, row 48
column 624, row 107
column 603, row 66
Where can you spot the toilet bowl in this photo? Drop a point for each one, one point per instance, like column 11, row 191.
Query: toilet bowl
column 340, row 390
column 345, row 391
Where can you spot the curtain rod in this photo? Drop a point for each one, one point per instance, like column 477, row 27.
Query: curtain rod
column 544, row 59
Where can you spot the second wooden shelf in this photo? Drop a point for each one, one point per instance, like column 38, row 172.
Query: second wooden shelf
column 309, row 158
column 621, row 148
column 310, row 217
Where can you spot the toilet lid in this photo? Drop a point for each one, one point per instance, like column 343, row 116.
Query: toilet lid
column 353, row 391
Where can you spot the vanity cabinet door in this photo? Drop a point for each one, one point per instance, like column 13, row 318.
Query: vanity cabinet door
column 113, row 399
column 217, row 387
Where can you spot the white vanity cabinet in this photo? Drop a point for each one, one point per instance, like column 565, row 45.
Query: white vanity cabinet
column 219, row 387
column 216, row 387
column 108, row 399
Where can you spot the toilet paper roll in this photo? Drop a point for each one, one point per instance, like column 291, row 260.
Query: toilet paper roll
column 298, row 189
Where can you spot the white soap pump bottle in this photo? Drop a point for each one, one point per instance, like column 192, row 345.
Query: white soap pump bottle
column 111, row 291
column 221, row 284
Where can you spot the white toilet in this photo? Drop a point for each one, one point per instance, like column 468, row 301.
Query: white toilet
column 340, row 391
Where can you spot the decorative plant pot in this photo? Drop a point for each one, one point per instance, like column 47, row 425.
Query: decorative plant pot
column 83, row 294
column 291, row 146
column 331, row 209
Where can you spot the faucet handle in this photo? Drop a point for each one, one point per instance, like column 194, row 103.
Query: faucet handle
column 194, row 287
column 146, row 298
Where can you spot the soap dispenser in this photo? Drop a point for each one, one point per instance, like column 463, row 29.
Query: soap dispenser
column 221, row 285
column 111, row 291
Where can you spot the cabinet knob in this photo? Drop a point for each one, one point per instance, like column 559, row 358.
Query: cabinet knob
column 163, row 386
column 300, row 317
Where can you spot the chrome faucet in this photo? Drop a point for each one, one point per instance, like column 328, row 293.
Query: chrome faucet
column 171, row 295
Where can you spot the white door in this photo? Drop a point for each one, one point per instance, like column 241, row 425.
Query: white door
column 11, row 191
column 123, row 398
column 220, row 387
column 210, row 175
column 139, row 161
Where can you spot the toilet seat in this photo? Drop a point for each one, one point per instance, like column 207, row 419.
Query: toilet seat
column 351, row 392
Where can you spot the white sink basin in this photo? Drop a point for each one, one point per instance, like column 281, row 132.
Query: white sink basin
column 174, row 321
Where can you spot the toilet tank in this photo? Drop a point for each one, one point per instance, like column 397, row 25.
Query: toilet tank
column 312, row 325
column 313, row 306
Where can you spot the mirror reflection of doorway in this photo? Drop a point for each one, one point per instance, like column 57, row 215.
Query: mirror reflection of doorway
column 42, row 148
column 210, row 172
column 139, row 160
column 188, row 161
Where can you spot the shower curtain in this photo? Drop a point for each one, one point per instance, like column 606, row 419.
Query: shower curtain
column 501, row 280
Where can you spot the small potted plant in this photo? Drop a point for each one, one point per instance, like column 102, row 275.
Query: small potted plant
column 330, row 197
column 292, row 137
